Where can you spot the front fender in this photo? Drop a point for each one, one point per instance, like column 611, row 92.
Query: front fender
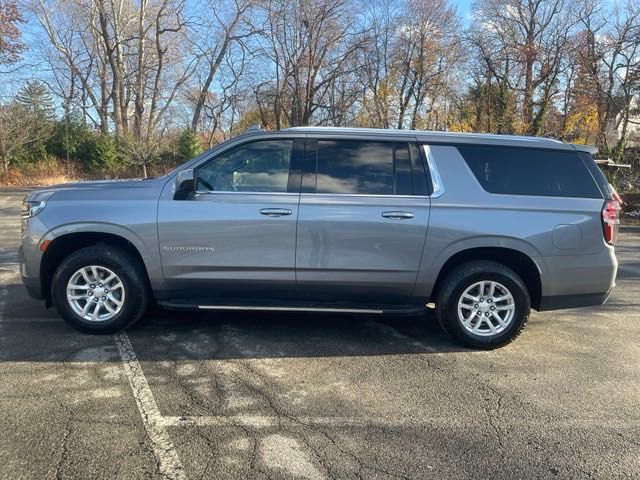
column 145, row 242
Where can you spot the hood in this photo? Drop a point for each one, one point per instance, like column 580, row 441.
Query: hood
column 96, row 185
column 118, row 183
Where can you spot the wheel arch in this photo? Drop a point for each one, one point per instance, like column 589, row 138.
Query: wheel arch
column 518, row 261
column 63, row 245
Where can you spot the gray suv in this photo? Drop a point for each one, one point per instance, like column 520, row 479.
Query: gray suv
column 485, row 227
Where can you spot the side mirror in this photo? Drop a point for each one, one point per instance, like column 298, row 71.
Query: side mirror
column 185, row 184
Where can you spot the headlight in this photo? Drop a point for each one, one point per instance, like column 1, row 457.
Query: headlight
column 31, row 208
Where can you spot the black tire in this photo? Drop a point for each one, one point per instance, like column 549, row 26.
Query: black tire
column 125, row 266
column 464, row 276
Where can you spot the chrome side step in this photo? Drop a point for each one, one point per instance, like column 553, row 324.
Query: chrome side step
column 290, row 309
column 219, row 304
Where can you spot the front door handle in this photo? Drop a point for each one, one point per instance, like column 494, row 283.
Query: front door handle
column 397, row 215
column 275, row 212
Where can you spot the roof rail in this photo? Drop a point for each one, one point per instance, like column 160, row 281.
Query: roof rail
column 254, row 127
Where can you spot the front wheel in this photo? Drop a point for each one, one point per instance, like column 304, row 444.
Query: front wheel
column 483, row 304
column 100, row 289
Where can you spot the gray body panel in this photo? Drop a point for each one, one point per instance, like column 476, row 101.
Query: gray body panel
column 126, row 209
column 219, row 244
column 348, row 251
column 331, row 247
column 466, row 216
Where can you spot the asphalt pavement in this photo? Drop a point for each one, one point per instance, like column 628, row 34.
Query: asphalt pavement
column 300, row 396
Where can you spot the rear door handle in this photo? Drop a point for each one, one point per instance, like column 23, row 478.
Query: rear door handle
column 397, row 215
column 275, row 212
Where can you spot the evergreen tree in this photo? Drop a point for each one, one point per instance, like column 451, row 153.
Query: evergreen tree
column 70, row 136
column 188, row 145
column 36, row 100
column 103, row 153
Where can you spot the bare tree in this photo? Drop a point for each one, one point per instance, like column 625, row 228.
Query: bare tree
column 522, row 43
column 139, row 152
column 127, row 57
column 310, row 43
column 428, row 48
column 610, row 54
column 218, row 27
column 382, row 18
column 409, row 60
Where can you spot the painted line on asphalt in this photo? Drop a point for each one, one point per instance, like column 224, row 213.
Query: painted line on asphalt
column 169, row 463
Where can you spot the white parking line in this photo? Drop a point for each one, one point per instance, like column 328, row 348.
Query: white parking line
column 169, row 463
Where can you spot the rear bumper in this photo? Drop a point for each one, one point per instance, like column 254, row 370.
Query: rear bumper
column 560, row 302
column 571, row 281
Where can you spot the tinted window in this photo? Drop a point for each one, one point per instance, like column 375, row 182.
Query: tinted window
column 421, row 185
column 345, row 166
column 598, row 175
column 520, row 171
column 254, row 167
column 404, row 181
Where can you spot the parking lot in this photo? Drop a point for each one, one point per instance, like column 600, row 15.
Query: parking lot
column 188, row 396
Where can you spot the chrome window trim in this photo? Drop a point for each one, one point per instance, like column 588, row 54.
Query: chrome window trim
column 213, row 192
column 436, row 179
column 362, row 195
column 355, row 195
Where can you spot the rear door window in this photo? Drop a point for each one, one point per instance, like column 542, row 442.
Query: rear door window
column 361, row 167
column 354, row 167
column 528, row 171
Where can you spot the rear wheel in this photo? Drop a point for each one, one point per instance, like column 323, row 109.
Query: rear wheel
column 100, row 289
column 483, row 304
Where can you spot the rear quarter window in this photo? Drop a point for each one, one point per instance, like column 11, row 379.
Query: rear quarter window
column 598, row 175
column 528, row 171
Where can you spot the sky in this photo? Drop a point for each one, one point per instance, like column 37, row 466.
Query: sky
column 31, row 67
column 464, row 6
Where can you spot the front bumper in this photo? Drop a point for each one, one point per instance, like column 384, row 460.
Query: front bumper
column 32, row 284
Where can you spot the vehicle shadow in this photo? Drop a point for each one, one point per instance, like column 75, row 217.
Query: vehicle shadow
column 30, row 333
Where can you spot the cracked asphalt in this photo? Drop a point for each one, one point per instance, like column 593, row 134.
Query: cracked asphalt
column 320, row 397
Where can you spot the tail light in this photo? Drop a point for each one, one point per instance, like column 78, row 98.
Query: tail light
column 610, row 221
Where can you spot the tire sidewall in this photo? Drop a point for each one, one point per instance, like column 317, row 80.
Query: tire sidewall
column 522, row 307
column 113, row 261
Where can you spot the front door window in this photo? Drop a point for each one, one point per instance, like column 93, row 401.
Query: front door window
column 261, row 166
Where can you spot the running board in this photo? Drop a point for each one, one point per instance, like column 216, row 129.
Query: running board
column 290, row 309
column 391, row 309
